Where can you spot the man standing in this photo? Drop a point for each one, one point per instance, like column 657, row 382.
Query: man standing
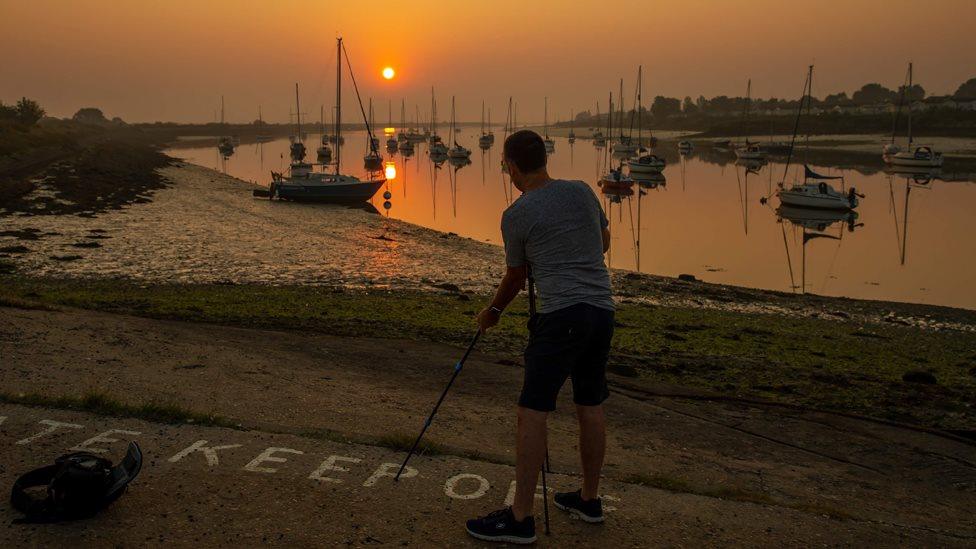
column 555, row 233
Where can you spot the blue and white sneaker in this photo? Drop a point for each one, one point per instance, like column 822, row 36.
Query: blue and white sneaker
column 501, row 526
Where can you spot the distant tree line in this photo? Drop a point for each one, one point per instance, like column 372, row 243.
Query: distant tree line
column 868, row 95
column 22, row 116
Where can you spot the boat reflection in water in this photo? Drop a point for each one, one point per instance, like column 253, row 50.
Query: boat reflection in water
column 813, row 224
column 915, row 178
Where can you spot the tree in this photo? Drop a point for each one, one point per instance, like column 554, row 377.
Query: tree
column 90, row 115
column 688, row 106
column 870, row 94
column 29, row 112
column 967, row 90
column 665, row 106
column 836, row 98
column 8, row 113
column 915, row 93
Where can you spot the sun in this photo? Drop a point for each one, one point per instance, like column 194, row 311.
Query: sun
column 388, row 73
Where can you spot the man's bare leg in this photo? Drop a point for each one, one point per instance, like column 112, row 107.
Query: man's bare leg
column 593, row 446
column 530, row 450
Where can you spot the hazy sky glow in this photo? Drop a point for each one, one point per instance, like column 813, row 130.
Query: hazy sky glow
column 147, row 60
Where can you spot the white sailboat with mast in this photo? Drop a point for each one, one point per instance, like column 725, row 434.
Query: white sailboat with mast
column 484, row 141
column 625, row 145
column 572, row 127
column 303, row 185
column 815, row 191
column 915, row 155
column 749, row 151
column 226, row 143
column 646, row 162
column 438, row 150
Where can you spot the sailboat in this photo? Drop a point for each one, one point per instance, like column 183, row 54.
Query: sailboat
column 372, row 162
column 549, row 143
column 615, row 181
column 484, row 141
column 226, row 144
column 599, row 140
column 815, row 191
column 406, row 145
column 490, row 134
column 457, row 150
column 438, row 150
column 646, row 162
column 297, row 147
column 391, row 143
column 625, row 145
column 262, row 136
column 749, row 151
column 324, row 152
column 572, row 126
column 915, row 155
column 305, row 185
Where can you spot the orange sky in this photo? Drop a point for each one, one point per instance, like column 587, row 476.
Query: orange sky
column 147, row 60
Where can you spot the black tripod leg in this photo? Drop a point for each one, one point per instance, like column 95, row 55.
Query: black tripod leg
column 545, row 498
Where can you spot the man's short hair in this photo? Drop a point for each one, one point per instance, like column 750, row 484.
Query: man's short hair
column 526, row 150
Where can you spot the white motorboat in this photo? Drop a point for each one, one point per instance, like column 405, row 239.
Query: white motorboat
column 645, row 163
column 918, row 156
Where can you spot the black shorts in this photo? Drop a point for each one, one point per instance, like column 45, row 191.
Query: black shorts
column 572, row 342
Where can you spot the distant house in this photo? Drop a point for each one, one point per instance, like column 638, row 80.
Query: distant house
column 936, row 102
column 967, row 104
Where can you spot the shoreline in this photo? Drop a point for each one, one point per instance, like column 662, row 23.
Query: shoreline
column 69, row 241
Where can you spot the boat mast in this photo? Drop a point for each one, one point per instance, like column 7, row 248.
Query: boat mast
column 453, row 130
column 482, row 118
column 640, row 84
column 796, row 123
column 338, row 120
column 748, row 99
column 908, row 91
column 221, row 110
column 620, row 119
column 546, row 119
column 298, row 114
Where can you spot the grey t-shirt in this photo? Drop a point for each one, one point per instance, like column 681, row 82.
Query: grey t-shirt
column 557, row 230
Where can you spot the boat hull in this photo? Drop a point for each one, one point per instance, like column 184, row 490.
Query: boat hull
column 812, row 201
column 338, row 193
column 910, row 161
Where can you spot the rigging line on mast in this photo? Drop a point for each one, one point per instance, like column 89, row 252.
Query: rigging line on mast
column 796, row 125
column 369, row 131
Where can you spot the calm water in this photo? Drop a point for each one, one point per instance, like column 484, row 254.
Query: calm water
column 911, row 239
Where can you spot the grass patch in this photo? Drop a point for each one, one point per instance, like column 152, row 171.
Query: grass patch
column 681, row 486
column 104, row 405
column 402, row 443
column 823, row 363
